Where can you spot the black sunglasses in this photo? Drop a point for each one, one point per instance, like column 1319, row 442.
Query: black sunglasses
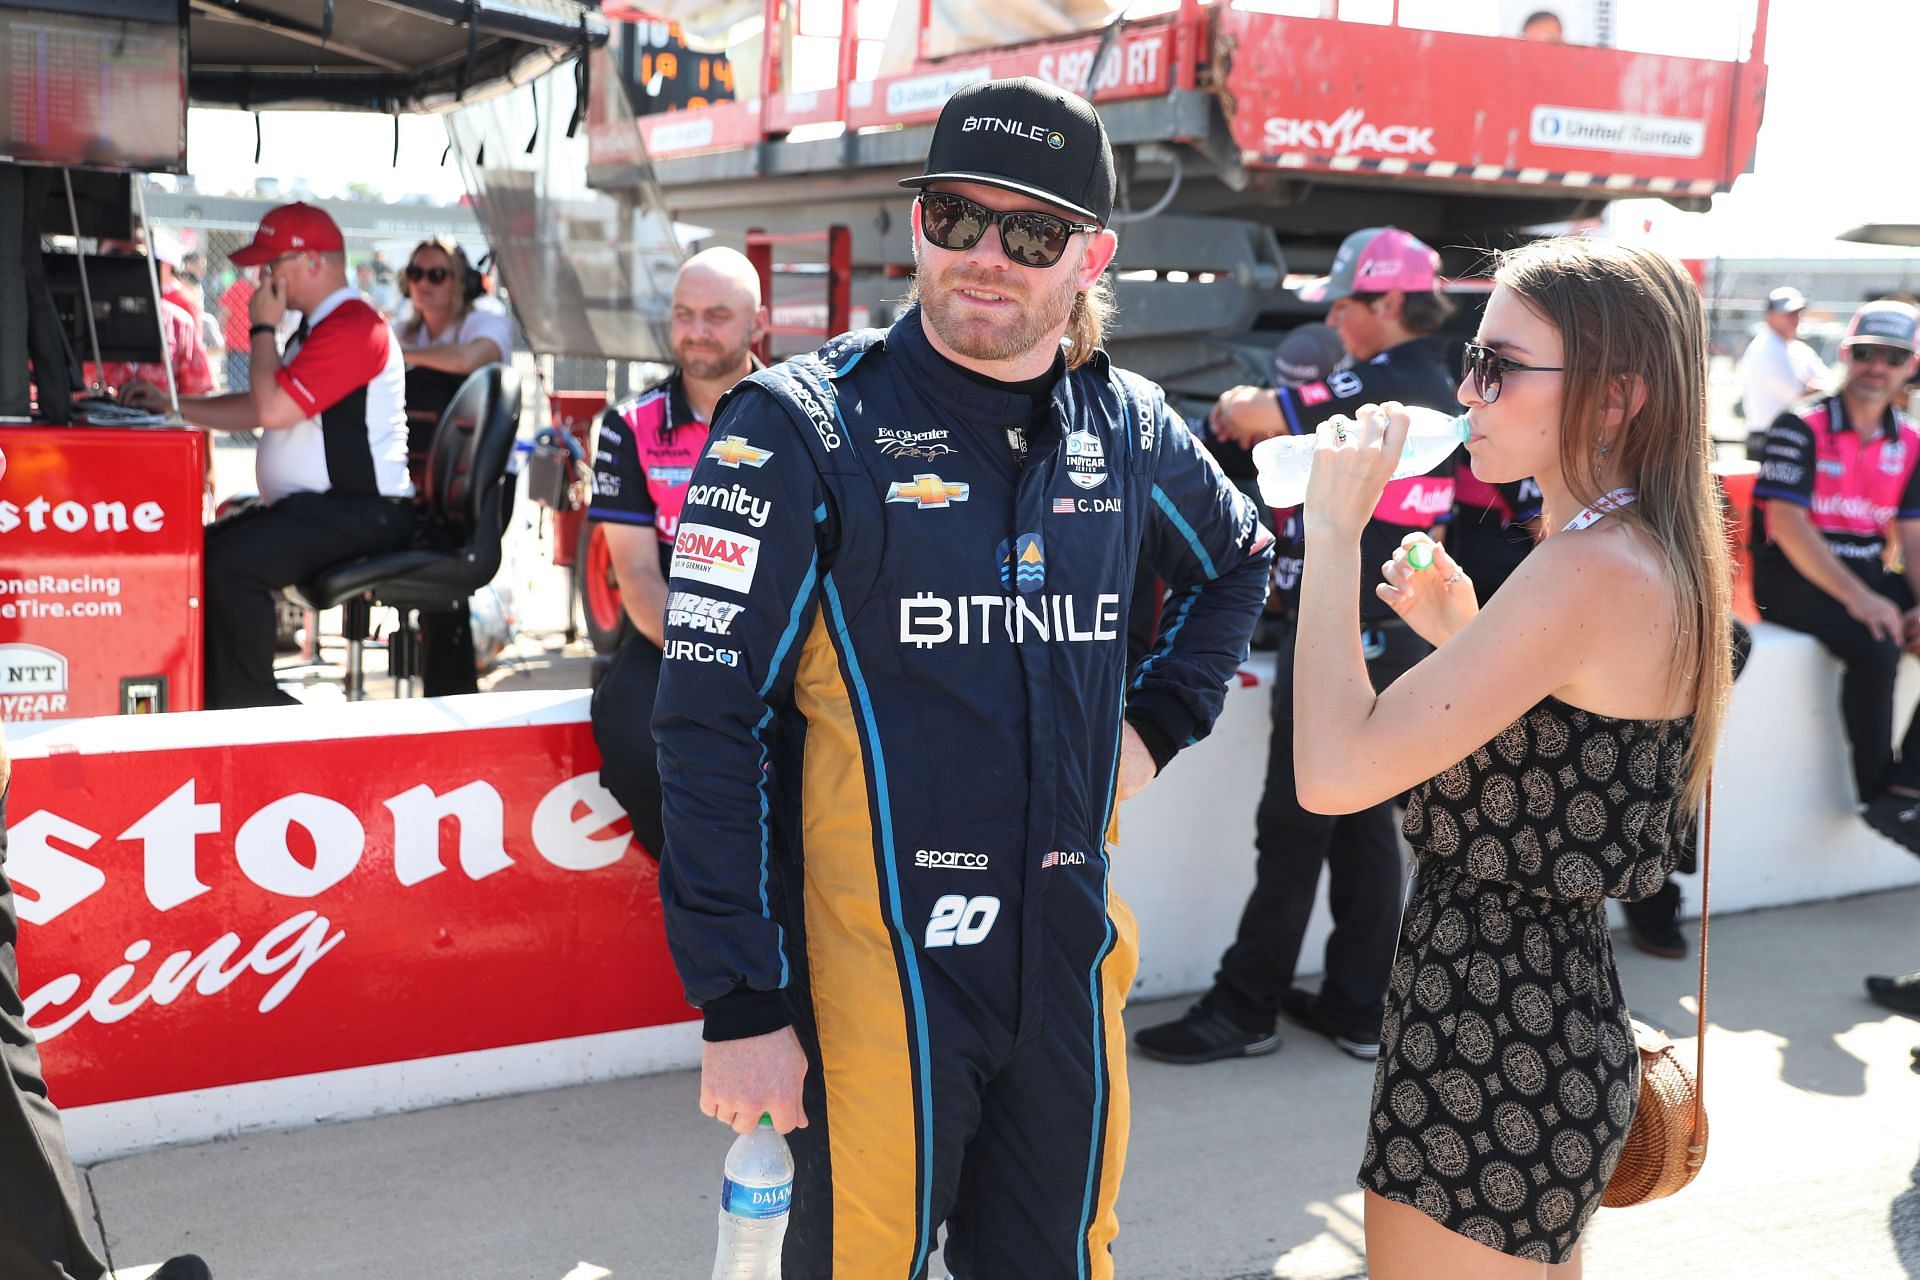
column 1869, row 352
column 1487, row 369
column 438, row 275
column 1028, row 237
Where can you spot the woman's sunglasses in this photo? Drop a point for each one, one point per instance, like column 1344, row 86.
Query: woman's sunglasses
column 1028, row 237
column 1486, row 369
column 434, row 275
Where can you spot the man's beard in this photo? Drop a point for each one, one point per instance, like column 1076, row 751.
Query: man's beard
column 708, row 363
column 1033, row 325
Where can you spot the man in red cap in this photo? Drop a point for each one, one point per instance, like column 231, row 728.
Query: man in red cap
column 332, row 466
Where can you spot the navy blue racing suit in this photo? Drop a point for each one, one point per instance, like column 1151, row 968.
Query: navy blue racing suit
column 889, row 753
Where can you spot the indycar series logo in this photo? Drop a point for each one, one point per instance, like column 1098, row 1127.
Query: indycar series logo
column 1086, row 459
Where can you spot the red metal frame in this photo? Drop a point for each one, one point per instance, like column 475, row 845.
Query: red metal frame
column 839, row 242
column 1286, row 81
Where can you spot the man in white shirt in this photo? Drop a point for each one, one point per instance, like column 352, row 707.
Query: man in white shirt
column 1778, row 370
column 332, row 466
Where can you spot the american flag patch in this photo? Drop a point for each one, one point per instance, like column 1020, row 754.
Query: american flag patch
column 1063, row 506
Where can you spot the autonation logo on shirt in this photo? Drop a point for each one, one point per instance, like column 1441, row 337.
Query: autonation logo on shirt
column 1618, row 131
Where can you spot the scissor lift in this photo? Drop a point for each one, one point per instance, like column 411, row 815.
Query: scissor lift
column 1248, row 145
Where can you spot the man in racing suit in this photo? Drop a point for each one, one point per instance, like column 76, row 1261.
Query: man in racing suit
column 891, row 779
column 1383, row 300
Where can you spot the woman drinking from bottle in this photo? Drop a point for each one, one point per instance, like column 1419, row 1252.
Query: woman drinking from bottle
column 1551, row 742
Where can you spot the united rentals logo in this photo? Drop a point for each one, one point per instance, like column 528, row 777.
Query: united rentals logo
column 928, row 490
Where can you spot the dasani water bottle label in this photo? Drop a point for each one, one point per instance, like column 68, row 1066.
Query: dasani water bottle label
column 755, row 1202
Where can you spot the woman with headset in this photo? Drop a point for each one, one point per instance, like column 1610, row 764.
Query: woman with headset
column 450, row 328
column 451, row 325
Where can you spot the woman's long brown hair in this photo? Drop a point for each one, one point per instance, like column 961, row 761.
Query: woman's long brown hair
column 1624, row 314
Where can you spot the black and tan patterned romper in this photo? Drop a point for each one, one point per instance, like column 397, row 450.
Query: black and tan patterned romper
column 1507, row 1075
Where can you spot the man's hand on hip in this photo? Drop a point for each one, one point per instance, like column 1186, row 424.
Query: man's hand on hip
column 1136, row 763
column 740, row 1079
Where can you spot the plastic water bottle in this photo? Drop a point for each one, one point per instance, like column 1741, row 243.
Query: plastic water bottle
column 1284, row 461
column 754, row 1198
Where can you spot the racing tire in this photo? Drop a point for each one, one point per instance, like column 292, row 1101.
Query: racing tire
column 599, row 593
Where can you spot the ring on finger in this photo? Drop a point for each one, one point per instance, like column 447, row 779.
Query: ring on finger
column 1452, row 578
column 1339, row 434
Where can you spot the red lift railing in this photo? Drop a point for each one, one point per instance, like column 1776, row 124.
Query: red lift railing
column 839, row 280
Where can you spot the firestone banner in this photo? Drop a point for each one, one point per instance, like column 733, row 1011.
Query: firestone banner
column 210, row 916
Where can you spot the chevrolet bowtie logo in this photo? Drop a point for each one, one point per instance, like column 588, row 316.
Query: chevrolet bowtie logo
column 735, row 452
column 928, row 490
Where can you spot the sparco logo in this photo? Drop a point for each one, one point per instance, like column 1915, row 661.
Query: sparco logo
column 816, row 414
column 927, row 620
column 949, row 860
column 1348, row 133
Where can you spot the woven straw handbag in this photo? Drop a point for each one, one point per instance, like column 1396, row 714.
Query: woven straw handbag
column 1667, row 1141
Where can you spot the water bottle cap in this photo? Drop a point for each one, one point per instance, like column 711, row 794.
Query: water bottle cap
column 1463, row 428
column 766, row 1119
column 1420, row 555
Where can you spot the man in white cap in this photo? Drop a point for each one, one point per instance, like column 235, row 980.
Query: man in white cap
column 1777, row 370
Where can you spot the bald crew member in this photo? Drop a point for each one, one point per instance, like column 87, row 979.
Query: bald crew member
column 643, row 459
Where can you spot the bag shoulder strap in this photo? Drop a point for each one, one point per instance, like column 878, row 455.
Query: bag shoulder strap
column 1697, row 1148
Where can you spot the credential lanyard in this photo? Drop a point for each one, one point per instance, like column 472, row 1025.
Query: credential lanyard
column 1611, row 502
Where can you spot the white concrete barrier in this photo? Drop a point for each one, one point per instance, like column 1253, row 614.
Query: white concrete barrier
column 129, row 876
column 1785, row 829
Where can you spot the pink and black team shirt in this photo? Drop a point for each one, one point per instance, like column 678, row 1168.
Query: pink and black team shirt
column 345, row 372
column 1414, row 373
column 643, row 459
column 1852, row 488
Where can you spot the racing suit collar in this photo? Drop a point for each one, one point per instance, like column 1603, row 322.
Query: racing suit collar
column 908, row 340
column 1838, row 422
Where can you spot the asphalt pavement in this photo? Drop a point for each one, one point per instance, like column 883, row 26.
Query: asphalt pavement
column 1238, row 1170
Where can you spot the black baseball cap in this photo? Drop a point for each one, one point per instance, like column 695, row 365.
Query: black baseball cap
column 1024, row 135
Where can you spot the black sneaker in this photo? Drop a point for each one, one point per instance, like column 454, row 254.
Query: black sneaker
column 1897, row 818
column 186, row 1266
column 1203, row 1034
column 1304, row 1008
column 1902, row 995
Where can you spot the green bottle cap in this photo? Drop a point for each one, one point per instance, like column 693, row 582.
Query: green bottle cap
column 766, row 1118
column 1420, row 555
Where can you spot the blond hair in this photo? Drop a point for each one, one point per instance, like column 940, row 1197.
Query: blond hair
column 1627, row 314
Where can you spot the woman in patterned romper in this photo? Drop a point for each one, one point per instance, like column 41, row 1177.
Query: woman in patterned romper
column 1549, row 743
